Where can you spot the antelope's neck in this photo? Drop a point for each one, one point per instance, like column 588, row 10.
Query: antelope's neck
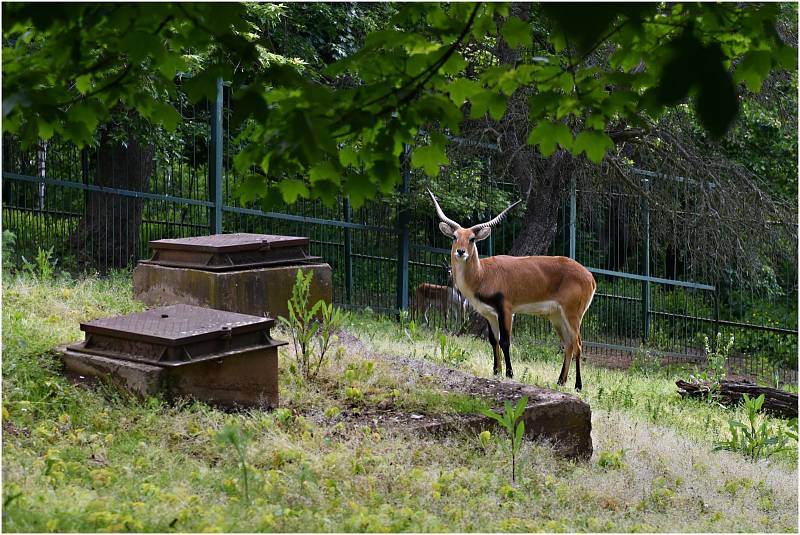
column 467, row 275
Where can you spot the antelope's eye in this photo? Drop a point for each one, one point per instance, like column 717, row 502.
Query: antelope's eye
column 472, row 239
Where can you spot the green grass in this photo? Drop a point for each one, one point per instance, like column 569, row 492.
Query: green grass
column 78, row 458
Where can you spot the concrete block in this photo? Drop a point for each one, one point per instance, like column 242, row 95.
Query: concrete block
column 259, row 292
column 246, row 379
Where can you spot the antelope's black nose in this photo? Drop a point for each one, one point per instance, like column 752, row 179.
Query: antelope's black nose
column 460, row 252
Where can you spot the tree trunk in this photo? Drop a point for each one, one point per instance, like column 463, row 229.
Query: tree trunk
column 780, row 402
column 109, row 232
column 541, row 215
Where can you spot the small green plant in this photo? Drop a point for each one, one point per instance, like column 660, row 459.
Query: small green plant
column 43, row 266
column 510, row 421
column 611, row 459
column 233, row 436
column 755, row 438
column 717, row 358
column 312, row 337
column 448, row 352
column 646, row 360
column 485, row 437
column 408, row 326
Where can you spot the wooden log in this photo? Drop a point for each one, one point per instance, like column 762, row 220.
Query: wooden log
column 779, row 402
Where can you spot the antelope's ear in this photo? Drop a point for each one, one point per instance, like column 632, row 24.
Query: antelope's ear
column 446, row 229
column 483, row 233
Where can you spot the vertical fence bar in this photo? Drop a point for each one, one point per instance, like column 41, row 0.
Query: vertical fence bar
column 646, row 266
column 403, row 217
column 215, row 188
column 490, row 241
column 348, row 254
column 573, row 216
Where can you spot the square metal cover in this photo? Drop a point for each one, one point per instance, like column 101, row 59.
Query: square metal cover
column 175, row 334
column 226, row 243
column 226, row 252
column 176, row 324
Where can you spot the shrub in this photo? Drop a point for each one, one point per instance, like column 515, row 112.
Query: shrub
column 509, row 421
column 756, row 439
column 312, row 338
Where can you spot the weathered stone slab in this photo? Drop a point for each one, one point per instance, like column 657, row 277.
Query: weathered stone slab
column 562, row 419
column 260, row 291
column 246, row 379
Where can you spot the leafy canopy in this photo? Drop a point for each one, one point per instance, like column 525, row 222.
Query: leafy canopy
column 66, row 68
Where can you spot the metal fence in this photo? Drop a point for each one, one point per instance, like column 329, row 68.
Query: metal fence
column 97, row 215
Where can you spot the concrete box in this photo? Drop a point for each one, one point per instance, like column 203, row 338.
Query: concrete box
column 259, row 292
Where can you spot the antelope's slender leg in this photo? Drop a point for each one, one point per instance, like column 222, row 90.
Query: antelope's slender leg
column 562, row 377
column 493, row 336
column 506, row 319
column 578, row 352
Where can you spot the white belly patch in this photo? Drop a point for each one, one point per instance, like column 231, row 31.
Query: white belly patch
column 541, row 308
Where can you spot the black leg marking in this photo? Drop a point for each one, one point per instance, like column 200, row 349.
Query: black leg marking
column 496, row 302
column 506, row 345
column 561, row 379
column 493, row 342
column 578, row 383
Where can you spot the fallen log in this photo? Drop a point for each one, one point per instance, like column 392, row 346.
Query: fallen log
column 779, row 402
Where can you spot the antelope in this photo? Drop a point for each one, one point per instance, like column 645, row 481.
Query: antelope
column 446, row 299
column 497, row 287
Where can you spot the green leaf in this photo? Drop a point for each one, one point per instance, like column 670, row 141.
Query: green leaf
column 517, row 32
column 83, row 83
column 348, row 157
column 430, row 158
column 547, row 134
column 165, row 114
column 325, row 170
column 462, row 89
column 488, row 100
column 593, row 143
column 522, row 404
column 454, row 64
column 250, row 188
column 753, row 68
column 292, row 188
column 491, row 414
column 45, row 130
column 518, row 435
column 360, row 188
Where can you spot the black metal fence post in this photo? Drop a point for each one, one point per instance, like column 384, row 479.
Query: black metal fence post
column 215, row 188
column 646, row 266
column 348, row 254
column 573, row 216
column 403, row 218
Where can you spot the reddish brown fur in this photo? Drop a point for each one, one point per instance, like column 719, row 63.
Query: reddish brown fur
column 525, row 281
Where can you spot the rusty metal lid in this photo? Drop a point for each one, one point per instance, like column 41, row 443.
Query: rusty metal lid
column 226, row 252
column 177, row 324
column 226, row 243
column 176, row 335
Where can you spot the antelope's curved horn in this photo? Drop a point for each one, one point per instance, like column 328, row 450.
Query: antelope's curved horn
column 441, row 214
column 497, row 219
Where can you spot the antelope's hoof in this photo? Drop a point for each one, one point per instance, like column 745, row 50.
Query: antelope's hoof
column 510, row 375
